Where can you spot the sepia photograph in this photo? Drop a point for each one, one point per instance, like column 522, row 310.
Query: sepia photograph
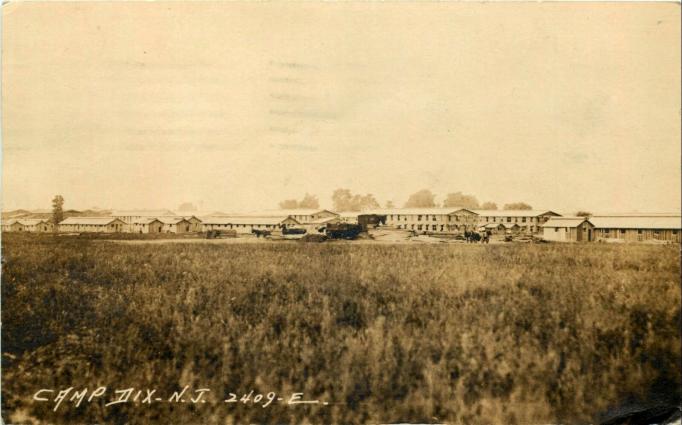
column 340, row 212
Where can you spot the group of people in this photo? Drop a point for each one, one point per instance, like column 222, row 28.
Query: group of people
column 473, row 237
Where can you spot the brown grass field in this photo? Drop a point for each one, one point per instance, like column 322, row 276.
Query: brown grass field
column 472, row 334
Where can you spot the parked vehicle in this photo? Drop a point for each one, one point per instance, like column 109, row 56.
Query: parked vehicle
column 343, row 230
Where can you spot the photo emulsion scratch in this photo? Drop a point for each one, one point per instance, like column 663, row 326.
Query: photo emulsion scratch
column 341, row 213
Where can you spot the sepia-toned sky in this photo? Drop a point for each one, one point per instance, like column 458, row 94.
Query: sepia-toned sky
column 236, row 106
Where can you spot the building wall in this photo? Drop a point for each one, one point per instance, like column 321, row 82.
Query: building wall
column 244, row 228
column 39, row 228
column 153, row 227
column 179, row 227
column 194, row 224
column 433, row 223
column 557, row 234
column 15, row 227
column 92, row 228
column 581, row 233
column 529, row 224
column 639, row 235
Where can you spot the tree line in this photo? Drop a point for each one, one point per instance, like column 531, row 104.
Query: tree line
column 344, row 200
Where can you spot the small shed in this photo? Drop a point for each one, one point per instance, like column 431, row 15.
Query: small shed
column 145, row 225
column 568, row 229
column 36, row 225
column 12, row 226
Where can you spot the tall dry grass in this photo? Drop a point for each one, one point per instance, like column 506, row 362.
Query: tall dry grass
column 384, row 333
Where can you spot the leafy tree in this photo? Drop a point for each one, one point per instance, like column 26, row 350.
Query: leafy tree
column 366, row 202
column 288, row 204
column 517, row 206
column 57, row 210
column 458, row 199
column 341, row 199
column 583, row 214
column 187, row 206
column 344, row 200
column 421, row 199
column 309, row 201
column 489, row 206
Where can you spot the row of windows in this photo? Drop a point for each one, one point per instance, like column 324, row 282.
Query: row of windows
column 516, row 219
column 236, row 226
column 639, row 231
column 426, row 217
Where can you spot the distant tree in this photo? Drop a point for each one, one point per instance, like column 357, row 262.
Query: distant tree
column 57, row 209
column 489, row 206
column 458, row 199
column 187, row 206
column 389, row 205
column 309, row 201
column 344, row 200
column 341, row 200
column 583, row 214
column 366, row 202
column 288, row 204
column 517, row 206
column 421, row 199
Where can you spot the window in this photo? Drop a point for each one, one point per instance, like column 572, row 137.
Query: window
column 433, row 227
column 508, row 219
column 523, row 219
column 419, row 218
column 606, row 231
column 639, row 231
column 434, row 218
column 622, row 231
column 556, row 229
column 674, row 232
column 419, row 227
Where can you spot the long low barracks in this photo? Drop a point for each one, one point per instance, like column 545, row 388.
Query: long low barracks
column 545, row 224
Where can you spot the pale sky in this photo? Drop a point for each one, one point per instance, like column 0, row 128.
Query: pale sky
column 236, row 106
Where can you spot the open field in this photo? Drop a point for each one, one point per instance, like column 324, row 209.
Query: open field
column 383, row 333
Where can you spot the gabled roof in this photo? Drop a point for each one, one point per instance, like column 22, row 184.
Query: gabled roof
column 286, row 212
column 96, row 221
column 141, row 213
column 171, row 220
column 198, row 214
column 514, row 213
column 493, row 225
column 145, row 220
column 324, row 220
column 565, row 222
column 32, row 221
column 416, row 211
column 638, row 222
column 248, row 220
column 189, row 217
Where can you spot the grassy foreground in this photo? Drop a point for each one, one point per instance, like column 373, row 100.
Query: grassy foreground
column 383, row 333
